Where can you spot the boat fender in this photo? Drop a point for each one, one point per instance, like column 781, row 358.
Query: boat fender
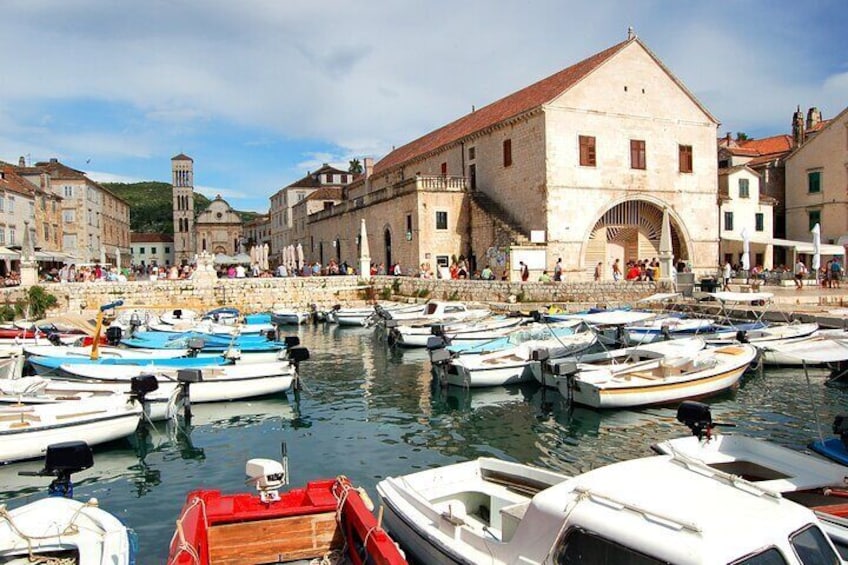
column 369, row 504
column 232, row 354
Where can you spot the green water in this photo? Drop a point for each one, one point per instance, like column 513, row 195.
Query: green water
column 368, row 412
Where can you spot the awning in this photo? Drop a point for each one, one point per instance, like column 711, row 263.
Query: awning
column 798, row 246
column 51, row 256
column 6, row 253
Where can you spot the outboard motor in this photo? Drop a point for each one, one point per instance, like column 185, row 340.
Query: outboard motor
column 54, row 338
column 195, row 346
column 135, row 323
column 439, row 355
column 698, row 418
column 141, row 385
column 436, row 342
column 665, row 333
column 840, row 428
column 742, row 336
column 537, row 315
column 178, row 314
column 297, row 354
column 291, row 341
column 185, row 377
column 61, row 461
column 437, row 329
column 114, row 335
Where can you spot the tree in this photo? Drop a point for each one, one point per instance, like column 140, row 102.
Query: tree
column 741, row 136
column 355, row 166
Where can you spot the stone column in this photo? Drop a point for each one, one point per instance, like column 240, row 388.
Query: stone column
column 29, row 266
column 364, row 253
column 204, row 272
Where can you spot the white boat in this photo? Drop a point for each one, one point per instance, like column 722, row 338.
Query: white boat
column 460, row 333
column 659, row 381
column 764, row 336
column 211, row 327
column 179, row 316
column 103, row 352
column 649, row 510
column 823, row 347
column 359, row 316
column 667, row 327
column 27, row 430
column 513, row 365
column 58, row 529
column 289, row 317
column 555, row 369
column 11, row 362
column 806, row 479
column 214, row 384
column 434, row 312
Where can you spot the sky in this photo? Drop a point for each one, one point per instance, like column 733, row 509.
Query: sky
column 260, row 92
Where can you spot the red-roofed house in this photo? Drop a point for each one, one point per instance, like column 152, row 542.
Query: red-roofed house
column 579, row 165
column 152, row 249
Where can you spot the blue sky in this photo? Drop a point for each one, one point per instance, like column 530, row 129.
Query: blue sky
column 259, row 92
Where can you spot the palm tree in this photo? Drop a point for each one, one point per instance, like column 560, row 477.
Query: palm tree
column 354, row 167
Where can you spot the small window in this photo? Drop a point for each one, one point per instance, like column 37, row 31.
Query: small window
column 728, row 221
column 759, row 221
column 770, row 556
column 344, row 179
column 329, row 178
column 472, row 176
column 409, row 222
column 814, row 182
column 141, row 250
column 580, row 546
column 507, row 152
column 2, row 203
column 811, row 546
column 814, row 217
column 444, row 169
column 684, row 157
column 637, row 154
column 744, row 191
column 68, row 216
column 587, row 151
column 472, row 153
column 69, row 192
column 442, row 260
column 441, row 220
column 153, row 251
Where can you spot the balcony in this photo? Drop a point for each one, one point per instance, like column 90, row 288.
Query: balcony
column 418, row 183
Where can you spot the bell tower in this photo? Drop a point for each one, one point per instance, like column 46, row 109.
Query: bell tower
column 182, row 180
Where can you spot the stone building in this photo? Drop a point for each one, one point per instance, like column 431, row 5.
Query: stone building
column 284, row 200
column 579, row 165
column 321, row 199
column 816, row 181
column 258, row 231
column 182, row 181
column 218, row 229
column 152, row 249
column 744, row 207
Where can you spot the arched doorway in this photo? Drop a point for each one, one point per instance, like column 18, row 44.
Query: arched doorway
column 631, row 230
column 387, row 241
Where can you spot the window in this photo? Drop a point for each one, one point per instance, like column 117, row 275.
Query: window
column 2, row 203
column 441, row 220
column 684, row 157
column 472, row 153
column 814, row 217
column 68, row 216
column 444, row 169
column 587, row 151
column 167, row 250
column 69, row 192
column 11, row 236
column 812, row 547
column 2, row 236
column 759, row 221
column 580, row 546
column 814, row 182
column 507, row 152
column 409, row 223
column 442, row 261
column 770, row 556
column 11, row 204
column 153, row 251
column 472, row 176
column 344, row 179
column 728, row 221
column 301, row 196
column 69, row 241
column 637, row 154
column 743, row 188
column 141, row 250
column 329, row 177
column 46, row 233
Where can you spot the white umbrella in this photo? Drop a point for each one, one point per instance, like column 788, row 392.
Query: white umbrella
column 118, row 258
column 816, row 231
column 746, row 250
column 266, row 249
column 102, row 255
column 299, row 256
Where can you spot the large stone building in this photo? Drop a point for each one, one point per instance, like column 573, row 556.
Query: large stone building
column 743, row 207
column 219, row 229
column 580, row 165
column 152, row 249
column 816, row 181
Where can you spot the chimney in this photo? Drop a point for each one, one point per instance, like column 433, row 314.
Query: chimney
column 813, row 117
column 21, row 161
column 54, row 160
column 798, row 128
column 728, row 138
column 368, row 166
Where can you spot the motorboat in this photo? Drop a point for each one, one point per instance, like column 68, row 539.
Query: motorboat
column 658, row 381
column 554, row 369
column 512, row 365
column 835, row 448
column 11, row 362
column 326, row 519
column 762, row 336
column 27, row 429
column 59, row 529
column 823, row 347
column 518, row 335
column 179, row 316
column 808, row 480
column 365, row 315
column 434, row 312
column 477, row 331
column 290, row 317
column 667, row 327
column 208, row 343
column 650, row 510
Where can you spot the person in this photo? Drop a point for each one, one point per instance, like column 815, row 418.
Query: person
column 616, row 270
column 525, row 272
column 800, row 271
column 544, row 277
column 396, row 270
column 633, row 272
column 598, row 271
column 558, row 270
column 835, row 272
column 725, row 275
column 487, row 273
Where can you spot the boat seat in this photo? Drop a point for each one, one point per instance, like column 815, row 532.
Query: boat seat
column 510, row 518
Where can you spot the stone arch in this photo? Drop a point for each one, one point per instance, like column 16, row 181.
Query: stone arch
column 630, row 228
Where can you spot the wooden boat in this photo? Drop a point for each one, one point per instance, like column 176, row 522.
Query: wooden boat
column 59, row 529
column 658, row 381
column 326, row 517
column 511, row 365
column 805, row 479
column 26, row 430
column 648, row 510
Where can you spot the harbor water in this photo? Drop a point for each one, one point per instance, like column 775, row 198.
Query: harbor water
column 368, row 412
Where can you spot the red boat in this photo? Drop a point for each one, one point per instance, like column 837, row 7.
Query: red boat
column 327, row 518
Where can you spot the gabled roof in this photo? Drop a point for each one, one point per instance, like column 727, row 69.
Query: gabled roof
column 515, row 104
column 150, row 237
column 774, row 144
column 730, row 170
column 826, row 124
column 741, row 151
column 60, row 171
column 312, row 180
column 12, row 182
column 326, row 193
column 182, row 157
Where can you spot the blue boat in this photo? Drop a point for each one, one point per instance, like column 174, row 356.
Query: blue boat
column 835, row 448
column 211, row 342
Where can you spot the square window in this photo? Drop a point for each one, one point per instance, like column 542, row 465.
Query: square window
column 444, row 169
column 728, row 221
column 814, row 217
column 441, row 220
column 507, row 152
column 637, row 154
column 472, row 153
column 743, row 189
column 685, row 158
column 587, row 151
column 814, row 182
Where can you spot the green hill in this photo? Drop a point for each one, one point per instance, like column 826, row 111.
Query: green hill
column 151, row 206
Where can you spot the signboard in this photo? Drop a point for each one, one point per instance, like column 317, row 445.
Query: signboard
column 537, row 236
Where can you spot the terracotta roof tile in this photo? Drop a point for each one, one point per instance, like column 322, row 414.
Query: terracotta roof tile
column 741, row 151
column 182, row 157
column 773, row 144
column 326, row 193
column 821, row 125
column 312, row 179
column 149, row 237
column 12, row 182
column 512, row 105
